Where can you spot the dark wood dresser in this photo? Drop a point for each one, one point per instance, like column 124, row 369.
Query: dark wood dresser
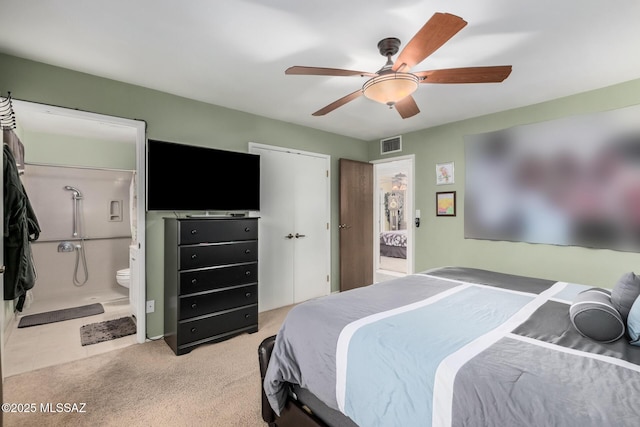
column 210, row 280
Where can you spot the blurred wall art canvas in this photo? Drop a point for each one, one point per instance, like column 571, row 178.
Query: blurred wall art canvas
column 573, row 181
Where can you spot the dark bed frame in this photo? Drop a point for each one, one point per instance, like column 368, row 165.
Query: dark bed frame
column 294, row 413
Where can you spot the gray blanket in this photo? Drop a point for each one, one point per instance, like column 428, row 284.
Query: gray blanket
column 305, row 348
column 533, row 369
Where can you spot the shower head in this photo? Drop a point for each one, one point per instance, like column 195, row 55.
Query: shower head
column 76, row 193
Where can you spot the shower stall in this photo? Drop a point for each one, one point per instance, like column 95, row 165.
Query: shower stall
column 86, row 235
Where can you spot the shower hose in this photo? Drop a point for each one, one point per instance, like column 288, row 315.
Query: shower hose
column 80, row 257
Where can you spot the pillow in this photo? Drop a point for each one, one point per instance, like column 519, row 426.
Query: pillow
column 633, row 323
column 595, row 317
column 625, row 292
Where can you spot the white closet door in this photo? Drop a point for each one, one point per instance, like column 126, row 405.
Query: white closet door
column 294, row 200
column 311, row 255
column 275, row 250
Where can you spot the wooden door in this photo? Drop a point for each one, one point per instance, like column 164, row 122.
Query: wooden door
column 356, row 224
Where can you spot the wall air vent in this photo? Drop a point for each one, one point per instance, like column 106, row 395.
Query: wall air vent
column 391, row 145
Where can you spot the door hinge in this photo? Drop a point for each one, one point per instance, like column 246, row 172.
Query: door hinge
column 327, row 173
column 327, row 277
column 327, row 226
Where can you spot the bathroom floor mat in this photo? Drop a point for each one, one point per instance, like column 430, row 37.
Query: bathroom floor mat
column 60, row 315
column 106, row 331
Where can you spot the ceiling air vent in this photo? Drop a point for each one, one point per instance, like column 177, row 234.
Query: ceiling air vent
column 391, row 145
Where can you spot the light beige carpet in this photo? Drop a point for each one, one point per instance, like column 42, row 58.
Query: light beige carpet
column 148, row 385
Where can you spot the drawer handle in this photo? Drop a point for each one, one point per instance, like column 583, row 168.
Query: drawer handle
column 194, row 305
column 193, row 330
column 247, row 273
column 247, row 251
column 194, row 281
column 246, row 316
column 247, row 229
column 248, row 294
column 194, row 256
column 194, row 231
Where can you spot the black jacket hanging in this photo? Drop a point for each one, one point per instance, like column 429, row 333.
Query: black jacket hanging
column 20, row 229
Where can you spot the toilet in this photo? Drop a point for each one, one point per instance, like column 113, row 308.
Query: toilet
column 128, row 278
column 123, row 277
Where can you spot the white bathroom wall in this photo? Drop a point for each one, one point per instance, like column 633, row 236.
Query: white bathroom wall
column 105, row 227
column 54, row 284
column 105, row 202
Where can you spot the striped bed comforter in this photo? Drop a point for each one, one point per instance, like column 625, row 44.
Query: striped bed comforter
column 455, row 346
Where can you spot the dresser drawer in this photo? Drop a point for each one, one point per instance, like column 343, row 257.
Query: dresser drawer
column 221, row 323
column 200, row 256
column 217, row 277
column 217, row 230
column 202, row 304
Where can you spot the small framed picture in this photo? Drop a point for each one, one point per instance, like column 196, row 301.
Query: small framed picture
column 444, row 173
column 446, row 203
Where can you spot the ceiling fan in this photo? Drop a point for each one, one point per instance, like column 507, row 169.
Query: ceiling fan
column 393, row 84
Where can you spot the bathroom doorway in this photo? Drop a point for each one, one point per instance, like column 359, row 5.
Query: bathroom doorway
column 393, row 217
column 81, row 156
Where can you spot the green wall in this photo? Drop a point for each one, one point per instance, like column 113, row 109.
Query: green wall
column 178, row 119
column 67, row 150
column 440, row 240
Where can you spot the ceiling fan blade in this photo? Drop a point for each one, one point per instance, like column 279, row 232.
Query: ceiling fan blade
column 321, row 71
column 494, row 74
column 407, row 107
column 436, row 32
column 339, row 103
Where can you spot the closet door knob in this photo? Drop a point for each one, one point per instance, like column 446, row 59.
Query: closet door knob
column 289, row 236
column 299, row 235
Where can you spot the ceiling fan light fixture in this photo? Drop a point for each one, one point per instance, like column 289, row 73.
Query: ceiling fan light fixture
column 391, row 87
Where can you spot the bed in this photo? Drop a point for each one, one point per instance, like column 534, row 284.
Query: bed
column 393, row 244
column 451, row 346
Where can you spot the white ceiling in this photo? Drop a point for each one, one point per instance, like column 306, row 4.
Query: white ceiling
column 234, row 53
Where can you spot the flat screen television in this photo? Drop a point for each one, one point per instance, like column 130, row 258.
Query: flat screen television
column 188, row 178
